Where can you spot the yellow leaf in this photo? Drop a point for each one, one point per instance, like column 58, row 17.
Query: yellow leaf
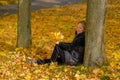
column 28, row 76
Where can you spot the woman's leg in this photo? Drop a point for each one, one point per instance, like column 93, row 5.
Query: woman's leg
column 57, row 56
column 58, row 53
column 43, row 61
column 38, row 61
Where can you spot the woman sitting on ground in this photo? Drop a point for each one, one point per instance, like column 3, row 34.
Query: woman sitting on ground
column 68, row 53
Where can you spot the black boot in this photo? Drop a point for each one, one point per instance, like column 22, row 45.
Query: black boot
column 43, row 61
column 40, row 61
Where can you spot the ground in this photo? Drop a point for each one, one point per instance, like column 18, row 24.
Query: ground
column 46, row 30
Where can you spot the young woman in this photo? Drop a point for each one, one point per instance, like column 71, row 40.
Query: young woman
column 68, row 53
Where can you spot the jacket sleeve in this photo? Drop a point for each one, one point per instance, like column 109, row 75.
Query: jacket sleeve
column 78, row 42
column 65, row 46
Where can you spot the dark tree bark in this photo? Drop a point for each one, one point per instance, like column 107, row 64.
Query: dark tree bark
column 24, row 24
column 95, row 29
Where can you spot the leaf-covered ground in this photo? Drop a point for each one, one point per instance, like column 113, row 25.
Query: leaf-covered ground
column 51, row 25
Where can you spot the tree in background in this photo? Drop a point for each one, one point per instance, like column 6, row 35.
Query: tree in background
column 24, row 24
column 95, row 28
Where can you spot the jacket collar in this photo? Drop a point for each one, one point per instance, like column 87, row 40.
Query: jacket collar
column 80, row 34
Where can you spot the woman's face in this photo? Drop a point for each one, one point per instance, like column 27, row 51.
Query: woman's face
column 79, row 28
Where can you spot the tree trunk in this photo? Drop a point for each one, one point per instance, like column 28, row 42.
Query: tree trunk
column 24, row 25
column 95, row 29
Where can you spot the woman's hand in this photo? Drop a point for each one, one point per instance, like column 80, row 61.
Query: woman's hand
column 57, row 42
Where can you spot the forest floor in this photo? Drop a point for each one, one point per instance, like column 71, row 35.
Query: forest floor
column 48, row 26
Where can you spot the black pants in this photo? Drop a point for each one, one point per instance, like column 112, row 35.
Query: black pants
column 57, row 56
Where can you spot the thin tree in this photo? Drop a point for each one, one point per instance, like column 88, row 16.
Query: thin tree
column 95, row 29
column 24, row 24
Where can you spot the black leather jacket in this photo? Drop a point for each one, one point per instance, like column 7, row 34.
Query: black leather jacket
column 78, row 41
column 74, row 52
